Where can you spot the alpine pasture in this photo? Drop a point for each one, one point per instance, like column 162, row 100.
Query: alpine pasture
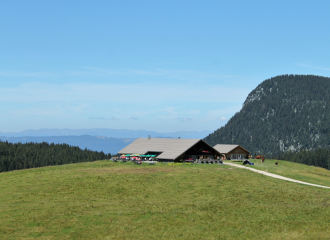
column 107, row 200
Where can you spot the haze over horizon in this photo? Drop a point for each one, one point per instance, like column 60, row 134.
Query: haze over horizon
column 159, row 66
column 104, row 132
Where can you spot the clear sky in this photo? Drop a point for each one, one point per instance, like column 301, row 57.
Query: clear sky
column 152, row 65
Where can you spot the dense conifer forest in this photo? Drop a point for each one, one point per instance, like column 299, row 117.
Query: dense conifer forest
column 30, row 155
column 287, row 113
column 319, row 157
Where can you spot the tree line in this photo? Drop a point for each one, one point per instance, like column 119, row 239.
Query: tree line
column 15, row 156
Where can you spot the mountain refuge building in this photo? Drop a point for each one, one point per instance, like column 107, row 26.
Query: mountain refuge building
column 172, row 149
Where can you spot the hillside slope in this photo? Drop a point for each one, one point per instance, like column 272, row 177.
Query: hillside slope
column 287, row 112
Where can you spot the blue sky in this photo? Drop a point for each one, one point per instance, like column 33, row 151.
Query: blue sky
column 152, row 65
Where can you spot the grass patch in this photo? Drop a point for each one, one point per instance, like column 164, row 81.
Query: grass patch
column 106, row 200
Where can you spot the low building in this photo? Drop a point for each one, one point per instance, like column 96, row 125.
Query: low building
column 232, row 152
column 172, row 149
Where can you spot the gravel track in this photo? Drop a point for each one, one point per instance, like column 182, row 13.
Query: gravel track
column 274, row 175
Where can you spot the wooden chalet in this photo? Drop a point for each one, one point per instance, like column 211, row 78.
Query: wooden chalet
column 232, row 152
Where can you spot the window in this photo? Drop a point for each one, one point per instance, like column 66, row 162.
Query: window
column 237, row 156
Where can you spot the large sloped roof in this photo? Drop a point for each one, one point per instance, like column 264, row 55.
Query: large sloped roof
column 226, row 148
column 171, row 148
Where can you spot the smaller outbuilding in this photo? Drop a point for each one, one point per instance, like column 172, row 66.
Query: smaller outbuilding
column 232, row 152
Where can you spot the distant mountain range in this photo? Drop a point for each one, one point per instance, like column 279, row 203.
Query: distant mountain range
column 284, row 113
column 106, row 132
column 106, row 140
column 94, row 143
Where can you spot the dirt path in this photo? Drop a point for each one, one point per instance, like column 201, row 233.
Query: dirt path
column 274, row 175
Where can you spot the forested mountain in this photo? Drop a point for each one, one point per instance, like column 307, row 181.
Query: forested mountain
column 30, row 155
column 288, row 112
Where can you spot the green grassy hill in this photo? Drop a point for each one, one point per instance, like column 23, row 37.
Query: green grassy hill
column 105, row 200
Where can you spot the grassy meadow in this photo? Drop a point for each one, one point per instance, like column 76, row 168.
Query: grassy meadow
column 106, row 200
